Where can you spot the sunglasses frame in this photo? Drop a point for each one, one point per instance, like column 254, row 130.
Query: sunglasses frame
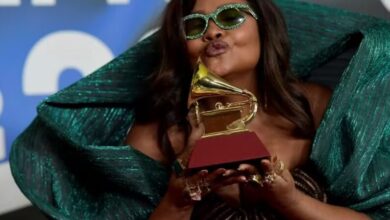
column 213, row 15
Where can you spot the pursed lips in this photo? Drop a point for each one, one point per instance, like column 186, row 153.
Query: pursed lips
column 216, row 48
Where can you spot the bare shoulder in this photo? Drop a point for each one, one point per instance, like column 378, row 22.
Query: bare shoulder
column 144, row 138
column 318, row 97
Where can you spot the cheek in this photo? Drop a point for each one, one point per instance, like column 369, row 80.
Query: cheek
column 194, row 48
column 248, row 43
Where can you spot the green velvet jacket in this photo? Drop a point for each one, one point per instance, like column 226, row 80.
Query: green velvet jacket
column 72, row 163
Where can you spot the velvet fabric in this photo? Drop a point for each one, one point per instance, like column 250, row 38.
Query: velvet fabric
column 72, row 163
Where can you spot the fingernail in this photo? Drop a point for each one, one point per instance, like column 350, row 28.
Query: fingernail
column 244, row 179
column 227, row 173
column 222, row 170
column 241, row 169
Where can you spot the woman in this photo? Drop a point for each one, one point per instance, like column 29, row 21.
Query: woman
column 252, row 55
column 92, row 174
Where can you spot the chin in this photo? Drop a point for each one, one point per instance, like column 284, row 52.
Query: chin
column 219, row 72
column 217, row 68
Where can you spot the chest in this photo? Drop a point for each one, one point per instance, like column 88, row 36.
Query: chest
column 276, row 135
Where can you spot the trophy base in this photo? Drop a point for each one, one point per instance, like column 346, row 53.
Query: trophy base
column 227, row 151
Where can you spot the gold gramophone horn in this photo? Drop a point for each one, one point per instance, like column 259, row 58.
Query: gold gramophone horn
column 206, row 85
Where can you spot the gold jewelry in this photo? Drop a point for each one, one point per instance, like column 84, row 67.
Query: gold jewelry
column 193, row 191
column 279, row 167
column 269, row 177
column 256, row 178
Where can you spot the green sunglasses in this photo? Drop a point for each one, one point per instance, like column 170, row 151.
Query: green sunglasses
column 227, row 17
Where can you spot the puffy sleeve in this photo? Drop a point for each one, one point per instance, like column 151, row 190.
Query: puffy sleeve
column 89, row 182
column 352, row 145
column 71, row 161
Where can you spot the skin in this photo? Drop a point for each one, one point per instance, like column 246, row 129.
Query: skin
column 237, row 66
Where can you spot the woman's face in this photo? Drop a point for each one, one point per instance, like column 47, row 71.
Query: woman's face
column 226, row 52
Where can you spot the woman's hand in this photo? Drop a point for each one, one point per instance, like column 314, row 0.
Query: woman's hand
column 276, row 186
column 185, row 189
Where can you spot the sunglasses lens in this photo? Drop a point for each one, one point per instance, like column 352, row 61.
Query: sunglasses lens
column 230, row 17
column 194, row 26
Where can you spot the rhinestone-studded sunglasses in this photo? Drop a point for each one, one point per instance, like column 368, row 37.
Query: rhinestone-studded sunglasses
column 227, row 17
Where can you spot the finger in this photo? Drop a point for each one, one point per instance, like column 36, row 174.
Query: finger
column 197, row 132
column 199, row 175
column 278, row 167
column 273, row 159
column 282, row 170
column 217, row 173
column 203, row 173
column 228, row 173
column 192, row 119
column 197, row 129
column 269, row 174
column 247, row 168
column 225, row 181
column 233, row 180
column 266, row 165
column 228, row 177
column 285, row 175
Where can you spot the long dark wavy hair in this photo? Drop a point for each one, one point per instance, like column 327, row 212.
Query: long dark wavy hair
column 165, row 99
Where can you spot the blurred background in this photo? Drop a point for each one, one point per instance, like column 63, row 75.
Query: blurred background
column 46, row 45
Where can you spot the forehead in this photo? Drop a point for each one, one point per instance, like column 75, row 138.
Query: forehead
column 208, row 6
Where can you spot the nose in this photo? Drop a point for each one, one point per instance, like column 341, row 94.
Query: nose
column 213, row 32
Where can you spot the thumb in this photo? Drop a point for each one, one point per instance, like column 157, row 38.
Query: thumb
column 197, row 127
column 196, row 134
